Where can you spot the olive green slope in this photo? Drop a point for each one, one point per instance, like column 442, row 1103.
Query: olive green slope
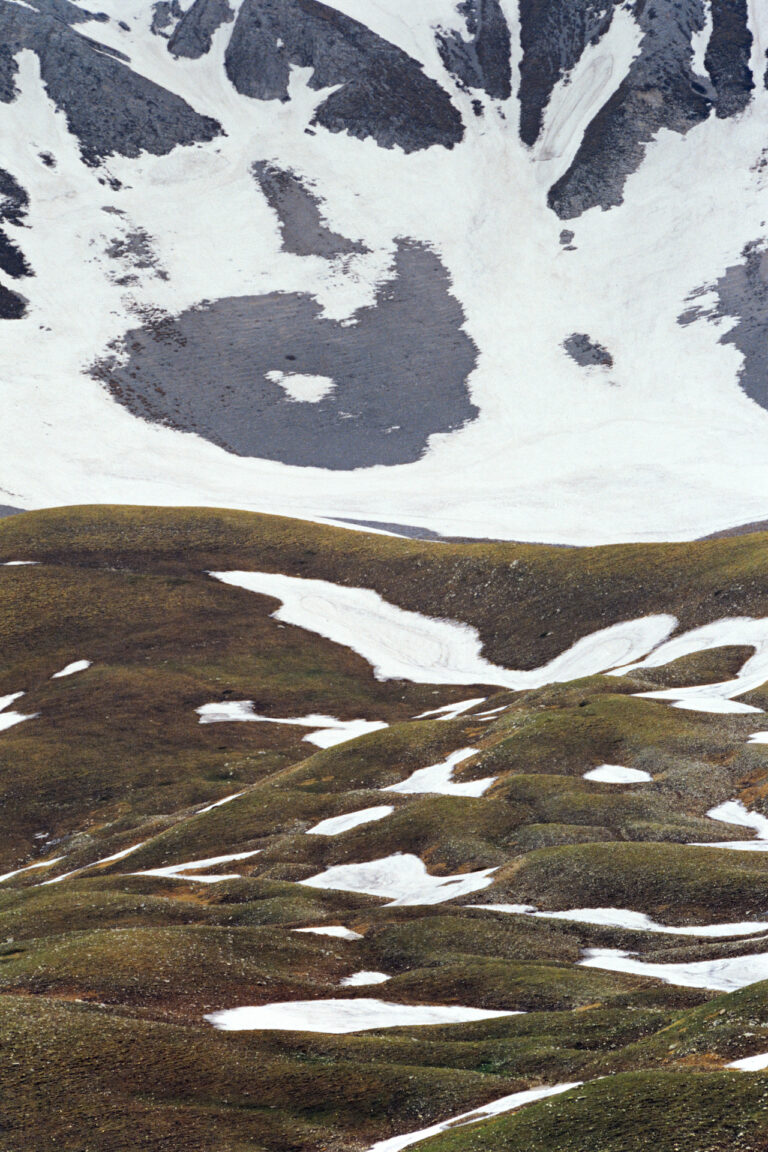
column 106, row 975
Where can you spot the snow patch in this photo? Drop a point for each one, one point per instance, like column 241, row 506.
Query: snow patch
column 726, row 975
column 341, row 1016
column 402, row 645
column 300, row 388
column 190, row 870
column 75, row 666
column 357, row 979
column 615, row 774
column 437, row 778
column 330, row 731
column 336, row 824
column 403, row 878
column 633, row 921
column 335, row 930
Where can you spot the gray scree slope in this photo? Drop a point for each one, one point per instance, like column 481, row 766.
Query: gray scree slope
column 399, row 372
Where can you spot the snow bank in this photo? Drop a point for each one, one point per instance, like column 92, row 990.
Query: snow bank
column 751, row 1063
column 341, row 1016
column 75, row 666
column 357, row 979
column 336, row 930
column 726, row 975
column 403, row 878
column 330, row 731
column 8, row 719
column 403, row 645
column 29, row 867
column 182, row 871
column 437, row 778
column 336, row 824
column 615, row 774
column 634, row 921
column 495, row 1108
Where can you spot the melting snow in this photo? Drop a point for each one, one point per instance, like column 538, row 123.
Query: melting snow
column 341, row 1016
column 330, row 731
column 726, row 975
column 218, row 803
column 451, row 711
column 332, row 930
column 437, row 778
column 181, row 871
column 75, row 666
column 615, row 774
column 758, row 738
column 719, row 697
column 29, row 867
column 300, row 387
column 336, row 824
column 751, row 1063
column 403, row 645
column 96, row 863
column 634, row 921
column 18, row 563
column 357, row 979
column 8, row 719
column 495, row 1108
column 404, row 878
column 734, row 812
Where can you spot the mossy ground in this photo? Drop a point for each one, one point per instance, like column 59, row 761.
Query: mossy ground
column 105, row 977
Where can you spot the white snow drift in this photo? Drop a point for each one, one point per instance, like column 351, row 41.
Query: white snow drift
column 403, row 645
column 486, row 1112
column 336, row 824
column 437, row 778
column 724, row 975
column 342, row 1016
column 615, row 774
column 71, row 669
column 329, row 730
column 9, row 719
column 191, row 869
column 403, row 878
column 633, row 921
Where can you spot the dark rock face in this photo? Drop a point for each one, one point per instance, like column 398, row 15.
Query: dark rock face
column 743, row 293
column 165, row 13
column 301, row 225
column 129, row 114
column 14, row 200
column 398, row 372
column 660, row 90
column 12, row 259
column 383, row 93
column 12, row 305
column 586, row 352
column 194, row 32
column 728, row 55
column 483, row 61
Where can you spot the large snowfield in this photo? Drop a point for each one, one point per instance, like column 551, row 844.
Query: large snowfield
column 643, row 448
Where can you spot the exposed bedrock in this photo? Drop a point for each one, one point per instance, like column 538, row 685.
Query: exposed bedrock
column 381, row 91
column 587, row 352
column 742, row 293
column 194, row 32
column 12, row 305
column 376, row 389
column 660, row 90
column 129, row 115
column 298, row 210
column 482, row 60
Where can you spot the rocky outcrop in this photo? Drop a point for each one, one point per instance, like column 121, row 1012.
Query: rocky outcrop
column 482, row 59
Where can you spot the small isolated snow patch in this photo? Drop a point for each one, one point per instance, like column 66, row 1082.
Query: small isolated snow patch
column 341, row 1016
column 19, row 563
column 301, row 388
column 75, row 666
column 29, row 867
column 495, row 1108
column 181, row 871
column 616, row 774
column 734, row 812
column 218, row 803
column 336, row 930
column 402, row 877
column 751, row 1063
column 359, row 978
column 71, row 668
column 336, row 824
column 96, row 864
column 758, row 738
column 8, row 719
column 330, row 731
column 437, row 778
column 451, row 711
